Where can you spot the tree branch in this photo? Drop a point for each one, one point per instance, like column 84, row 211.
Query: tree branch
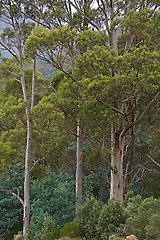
column 139, row 120
column 154, row 161
column 118, row 111
column 14, row 194
column 89, row 20
column 9, row 50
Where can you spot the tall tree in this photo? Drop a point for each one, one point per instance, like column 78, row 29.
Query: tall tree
column 63, row 56
column 126, row 109
column 122, row 21
column 12, row 39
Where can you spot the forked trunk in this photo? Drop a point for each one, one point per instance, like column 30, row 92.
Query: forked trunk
column 117, row 184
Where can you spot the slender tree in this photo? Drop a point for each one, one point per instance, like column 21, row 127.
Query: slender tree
column 65, row 54
column 15, row 32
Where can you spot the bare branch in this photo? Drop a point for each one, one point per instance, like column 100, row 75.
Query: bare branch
column 81, row 12
column 9, row 50
column 14, row 194
column 154, row 161
column 35, row 162
column 118, row 111
column 99, row 151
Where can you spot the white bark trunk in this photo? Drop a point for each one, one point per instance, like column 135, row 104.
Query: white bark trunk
column 117, row 185
column 33, row 83
column 26, row 202
column 26, row 206
column 79, row 164
column 113, row 35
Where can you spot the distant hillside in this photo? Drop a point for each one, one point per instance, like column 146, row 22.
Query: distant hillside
column 46, row 69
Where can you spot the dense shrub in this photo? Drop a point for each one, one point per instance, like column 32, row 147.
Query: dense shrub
column 46, row 232
column 153, row 227
column 19, row 236
column 132, row 204
column 70, row 230
column 111, row 217
column 146, row 223
column 54, row 195
column 11, row 210
column 87, row 217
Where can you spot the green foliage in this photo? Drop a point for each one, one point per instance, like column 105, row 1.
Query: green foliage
column 132, row 204
column 94, row 80
column 111, row 217
column 87, row 217
column 70, row 230
column 51, row 39
column 11, row 219
column 19, row 236
column 54, row 195
column 146, row 219
column 94, row 184
column 47, row 231
column 153, row 227
column 87, row 39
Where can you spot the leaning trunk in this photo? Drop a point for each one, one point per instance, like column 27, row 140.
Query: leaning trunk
column 79, row 164
column 116, row 187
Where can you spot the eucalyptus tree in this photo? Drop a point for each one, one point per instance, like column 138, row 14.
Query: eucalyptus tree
column 127, row 39
column 15, row 29
column 131, row 28
column 57, row 46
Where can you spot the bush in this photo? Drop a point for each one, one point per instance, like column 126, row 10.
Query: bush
column 46, row 232
column 111, row 217
column 48, row 229
column 131, row 205
column 146, row 223
column 55, row 196
column 153, row 227
column 19, row 236
column 11, row 210
column 87, row 217
column 70, row 230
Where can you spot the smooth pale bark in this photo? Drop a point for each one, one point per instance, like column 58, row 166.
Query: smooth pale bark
column 26, row 201
column 26, row 205
column 79, row 164
column 28, row 109
column 116, row 183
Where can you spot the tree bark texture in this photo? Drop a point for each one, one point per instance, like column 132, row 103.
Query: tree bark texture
column 116, row 182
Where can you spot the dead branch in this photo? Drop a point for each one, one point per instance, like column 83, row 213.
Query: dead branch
column 35, row 162
column 118, row 111
column 154, row 161
column 14, row 194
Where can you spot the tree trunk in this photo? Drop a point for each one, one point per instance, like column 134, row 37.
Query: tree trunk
column 26, row 206
column 79, row 164
column 116, row 185
column 26, row 202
